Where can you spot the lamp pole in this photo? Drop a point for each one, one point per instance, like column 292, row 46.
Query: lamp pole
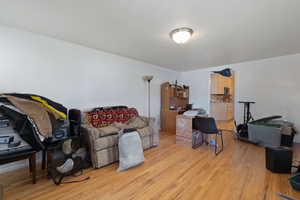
column 149, row 99
column 148, row 79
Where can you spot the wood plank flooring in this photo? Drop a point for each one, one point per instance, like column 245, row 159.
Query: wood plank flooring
column 170, row 172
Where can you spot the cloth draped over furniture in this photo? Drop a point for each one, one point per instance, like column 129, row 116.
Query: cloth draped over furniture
column 36, row 112
column 103, row 137
column 41, row 110
column 101, row 117
column 51, row 105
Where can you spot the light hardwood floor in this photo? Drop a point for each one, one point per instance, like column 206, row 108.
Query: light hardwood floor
column 170, row 172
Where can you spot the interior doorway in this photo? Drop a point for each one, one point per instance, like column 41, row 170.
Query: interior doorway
column 222, row 93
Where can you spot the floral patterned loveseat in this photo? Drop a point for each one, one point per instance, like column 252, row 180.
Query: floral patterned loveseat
column 102, row 125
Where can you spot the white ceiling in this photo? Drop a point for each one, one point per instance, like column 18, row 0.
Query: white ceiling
column 226, row 31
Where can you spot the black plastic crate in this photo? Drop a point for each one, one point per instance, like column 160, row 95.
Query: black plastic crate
column 279, row 159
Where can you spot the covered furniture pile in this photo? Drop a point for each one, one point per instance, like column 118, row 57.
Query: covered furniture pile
column 31, row 122
column 101, row 126
column 35, row 118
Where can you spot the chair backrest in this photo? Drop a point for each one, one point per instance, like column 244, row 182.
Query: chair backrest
column 75, row 115
column 75, row 121
column 205, row 125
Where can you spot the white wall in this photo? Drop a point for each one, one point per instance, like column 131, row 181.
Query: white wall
column 76, row 76
column 273, row 83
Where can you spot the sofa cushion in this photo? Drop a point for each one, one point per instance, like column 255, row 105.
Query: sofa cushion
column 109, row 130
column 101, row 132
column 122, row 125
column 137, row 123
column 106, row 142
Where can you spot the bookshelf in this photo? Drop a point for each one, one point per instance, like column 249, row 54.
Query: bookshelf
column 174, row 100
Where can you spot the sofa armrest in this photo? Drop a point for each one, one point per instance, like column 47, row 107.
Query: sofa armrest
column 151, row 122
column 154, row 130
column 90, row 136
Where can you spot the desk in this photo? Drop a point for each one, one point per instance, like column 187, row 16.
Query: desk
column 21, row 152
column 27, row 154
column 184, row 129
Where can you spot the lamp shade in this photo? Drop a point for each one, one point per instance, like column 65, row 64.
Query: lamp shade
column 147, row 78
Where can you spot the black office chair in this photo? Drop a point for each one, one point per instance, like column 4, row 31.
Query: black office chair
column 207, row 125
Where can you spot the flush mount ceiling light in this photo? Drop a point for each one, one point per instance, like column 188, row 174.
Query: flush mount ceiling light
column 181, row 35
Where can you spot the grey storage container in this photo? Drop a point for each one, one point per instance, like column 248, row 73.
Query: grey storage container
column 269, row 133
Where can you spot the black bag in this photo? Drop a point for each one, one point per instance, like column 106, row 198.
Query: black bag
column 224, row 72
column 197, row 139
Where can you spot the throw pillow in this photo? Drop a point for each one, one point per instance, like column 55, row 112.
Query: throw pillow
column 130, row 150
column 137, row 123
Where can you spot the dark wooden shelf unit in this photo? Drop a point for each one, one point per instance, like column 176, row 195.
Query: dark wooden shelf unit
column 173, row 101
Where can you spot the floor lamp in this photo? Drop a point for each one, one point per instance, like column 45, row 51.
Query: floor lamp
column 148, row 79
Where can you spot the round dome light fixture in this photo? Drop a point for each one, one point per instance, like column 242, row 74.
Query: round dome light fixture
column 181, row 35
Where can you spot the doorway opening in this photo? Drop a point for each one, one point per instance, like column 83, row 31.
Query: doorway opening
column 222, row 93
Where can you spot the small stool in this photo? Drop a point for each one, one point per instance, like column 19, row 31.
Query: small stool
column 279, row 159
column 22, row 155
